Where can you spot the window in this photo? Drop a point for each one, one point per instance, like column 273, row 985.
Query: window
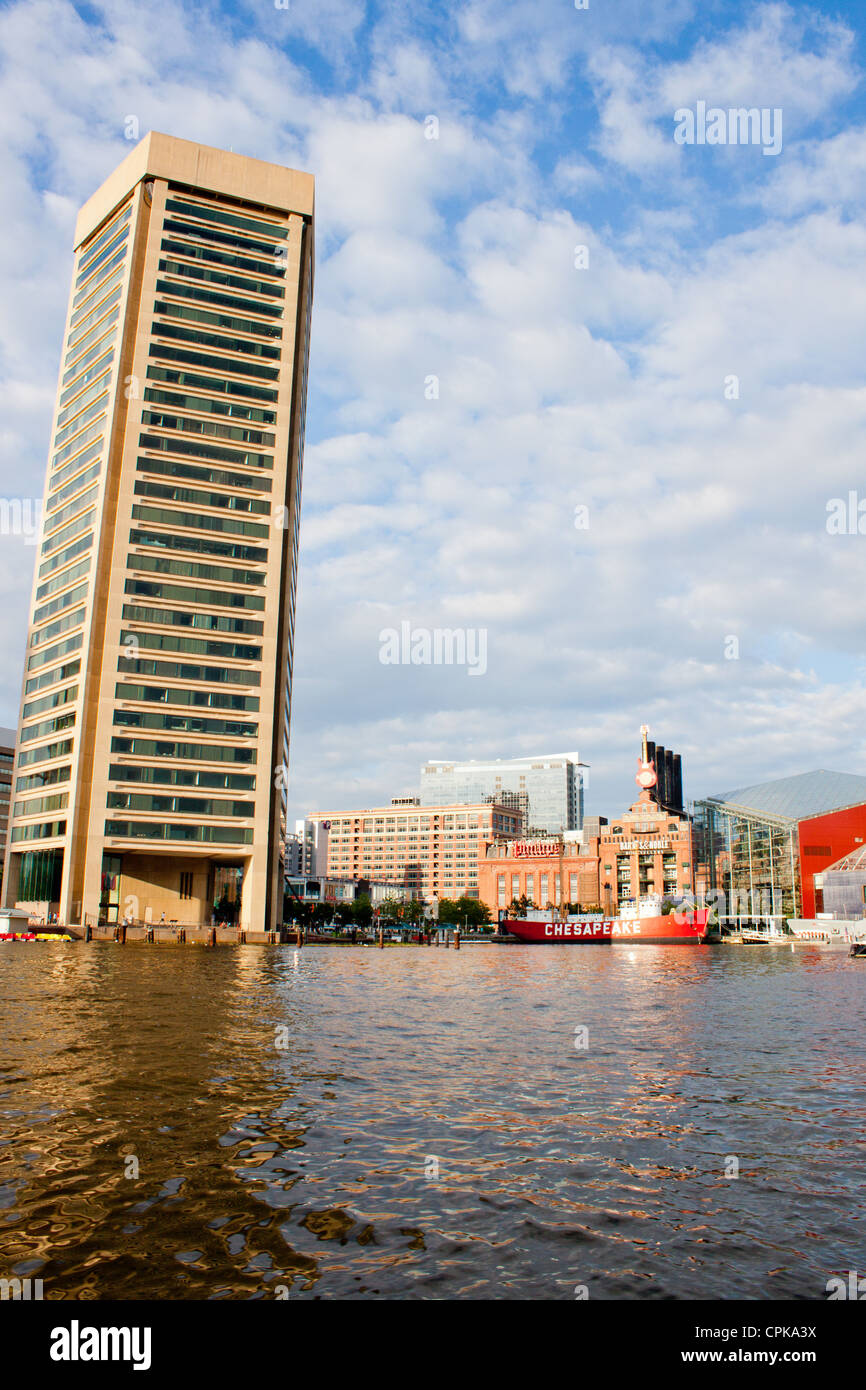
column 182, row 777
column 228, row 219
column 46, row 831
column 212, row 622
column 176, row 593
column 216, row 364
column 195, row 646
column 208, row 451
column 175, row 695
column 153, row 748
column 200, row 545
column 82, row 524
column 38, row 780
column 180, row 670
column 186, row 723
column 200, row 473
column 167, row 804
column 191, row 569
column 59, row 697
column 176, row 377
column 48, row 726
column 61, row 474
column 57, row 628
column 104, row 348
column 57, row 605
column 41, row 804
column 43, row 754
column 166, row 516
column 241, row 243
column 221, row 341
column 104, row 246
column 221, row 277
column 214, row 257
column 164, row 830
column 65, row 556
column 97, row 335
column 203, row 404
column 222, row 301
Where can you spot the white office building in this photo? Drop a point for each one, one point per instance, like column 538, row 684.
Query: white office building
column 547, row 788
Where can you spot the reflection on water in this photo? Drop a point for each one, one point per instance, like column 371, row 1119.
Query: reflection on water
column 421, row 1123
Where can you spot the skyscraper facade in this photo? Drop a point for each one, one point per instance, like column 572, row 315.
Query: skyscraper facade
column 154, row 725
column 7, row 759
column 550, row 785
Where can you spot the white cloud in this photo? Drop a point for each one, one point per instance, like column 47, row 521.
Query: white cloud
column 557, row 386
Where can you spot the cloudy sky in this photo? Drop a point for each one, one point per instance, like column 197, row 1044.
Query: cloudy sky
column 616, row 461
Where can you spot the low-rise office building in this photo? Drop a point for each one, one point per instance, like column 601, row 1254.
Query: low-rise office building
column 547, row 788
column 433, row 851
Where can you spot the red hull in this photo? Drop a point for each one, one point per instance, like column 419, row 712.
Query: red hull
column 674, row 929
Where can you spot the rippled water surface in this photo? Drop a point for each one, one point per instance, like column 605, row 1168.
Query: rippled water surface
column 332, row 1123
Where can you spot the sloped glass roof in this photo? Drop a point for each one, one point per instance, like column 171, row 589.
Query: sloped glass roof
column 855, row 862
column 793, row 798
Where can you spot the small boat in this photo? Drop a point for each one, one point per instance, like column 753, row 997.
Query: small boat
column 858, row 950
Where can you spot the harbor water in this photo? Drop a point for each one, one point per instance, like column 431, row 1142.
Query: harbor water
column 502, row 1122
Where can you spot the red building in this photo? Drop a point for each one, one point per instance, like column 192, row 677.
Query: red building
column 645, row 850
column 762, row 845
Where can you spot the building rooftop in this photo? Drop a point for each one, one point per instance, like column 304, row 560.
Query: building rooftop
column 530, row 758
column 795, row 798
column 413, row 810
column 7, row 737
column 237, row 176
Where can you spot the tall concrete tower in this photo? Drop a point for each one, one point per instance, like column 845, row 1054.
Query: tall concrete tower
column 157, row 686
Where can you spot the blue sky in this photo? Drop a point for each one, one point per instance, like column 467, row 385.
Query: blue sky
column 559, row 387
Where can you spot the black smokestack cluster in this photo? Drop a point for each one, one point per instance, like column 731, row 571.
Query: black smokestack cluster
column 669, row 789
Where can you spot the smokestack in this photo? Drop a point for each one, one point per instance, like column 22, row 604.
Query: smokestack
column 677, row 782
column 661, row 786
column 669, row 778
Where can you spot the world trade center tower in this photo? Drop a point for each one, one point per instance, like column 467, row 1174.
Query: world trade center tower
column 149, row 781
